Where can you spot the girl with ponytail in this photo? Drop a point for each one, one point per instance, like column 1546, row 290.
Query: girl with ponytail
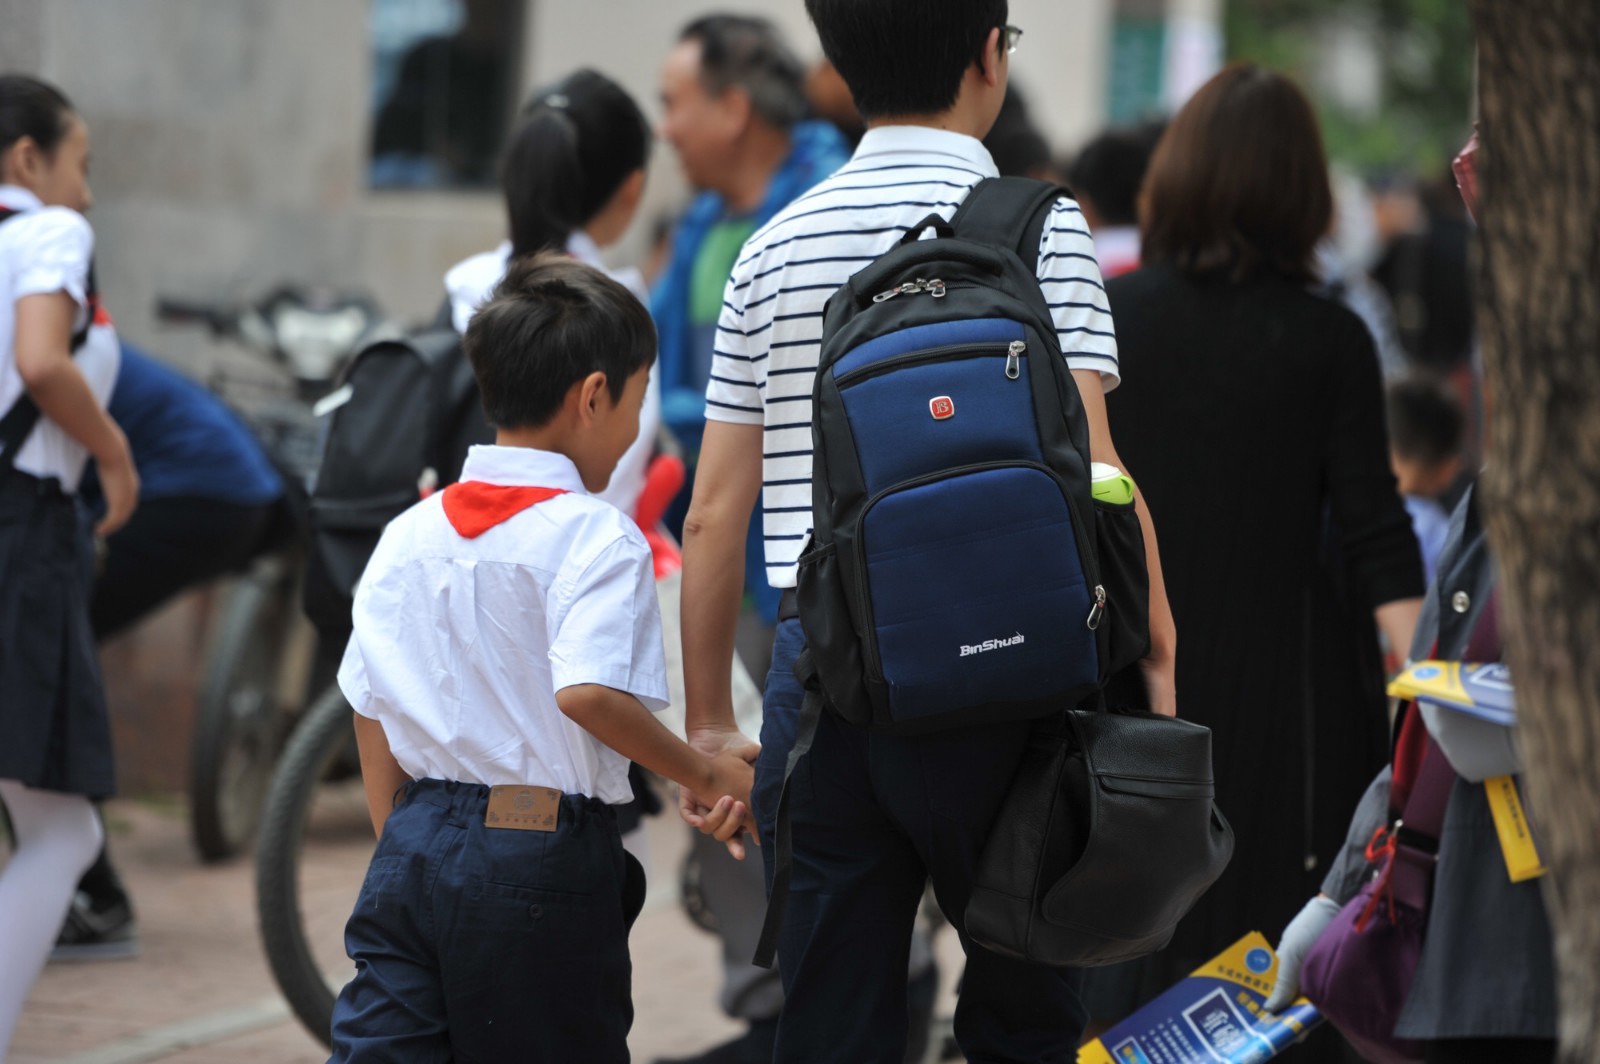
column 573, row 175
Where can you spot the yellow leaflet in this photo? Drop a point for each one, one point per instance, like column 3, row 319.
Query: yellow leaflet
column 1511, row 823
column 1440, row 680
column 1095, row 1053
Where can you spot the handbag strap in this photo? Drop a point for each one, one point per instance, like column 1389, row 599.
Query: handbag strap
column 1413, row 845
column 1423, row 815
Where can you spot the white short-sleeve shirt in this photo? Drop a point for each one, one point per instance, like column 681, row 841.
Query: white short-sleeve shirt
column 42, row 250
column 461, row 644
column 769, row 337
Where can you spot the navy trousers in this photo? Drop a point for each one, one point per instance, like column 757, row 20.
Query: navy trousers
column 477, row 944
column 875, row 817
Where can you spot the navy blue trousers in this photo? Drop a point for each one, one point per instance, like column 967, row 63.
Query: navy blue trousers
column 477, row 944
column 874, row 818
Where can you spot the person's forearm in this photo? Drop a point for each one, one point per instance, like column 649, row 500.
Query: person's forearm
column 709, row 615
column 1163, row 629
column 1397, row 620
column 381, row 775
column 621, row 722
column 42, row 345
column 63, row 396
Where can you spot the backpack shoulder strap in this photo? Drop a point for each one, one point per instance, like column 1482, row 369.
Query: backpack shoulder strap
column 1008, row 212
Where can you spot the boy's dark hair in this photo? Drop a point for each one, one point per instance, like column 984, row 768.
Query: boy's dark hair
column 904, row 57
column 574, row 145
column 32, row 108
column 551, row 322
column 747, row 52
column 1426, row 423
column 1110, row 169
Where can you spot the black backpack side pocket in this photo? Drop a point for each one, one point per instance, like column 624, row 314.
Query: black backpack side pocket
column 1120, row 539
column 831, row 632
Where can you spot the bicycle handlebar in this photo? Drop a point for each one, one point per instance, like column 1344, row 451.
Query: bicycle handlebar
column 218, row 318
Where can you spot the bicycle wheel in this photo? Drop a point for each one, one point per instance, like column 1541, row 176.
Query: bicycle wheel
column 240, row 719
column 316, row 841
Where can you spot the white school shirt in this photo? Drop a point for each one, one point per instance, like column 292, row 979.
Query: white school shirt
column 469, row 284
column 47, row 249
column 460, row 645
column 769, row 335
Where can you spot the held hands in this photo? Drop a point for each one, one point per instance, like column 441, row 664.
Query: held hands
column 723, row 811
column 1298, row 938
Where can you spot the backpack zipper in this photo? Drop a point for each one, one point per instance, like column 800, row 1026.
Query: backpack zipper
column 935, row 288
column 1013, row 350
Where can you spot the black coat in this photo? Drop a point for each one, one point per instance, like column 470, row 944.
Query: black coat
column 1251, row 415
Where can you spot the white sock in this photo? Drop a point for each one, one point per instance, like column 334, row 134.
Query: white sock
column 57, row 838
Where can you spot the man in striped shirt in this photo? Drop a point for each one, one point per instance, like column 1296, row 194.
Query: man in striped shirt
column 876, row 816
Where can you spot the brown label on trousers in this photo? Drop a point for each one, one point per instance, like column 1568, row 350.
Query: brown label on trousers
column 523, row 808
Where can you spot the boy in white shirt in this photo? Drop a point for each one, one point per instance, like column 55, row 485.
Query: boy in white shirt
column 504, row 668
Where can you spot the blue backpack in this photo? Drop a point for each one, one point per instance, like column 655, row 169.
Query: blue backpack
column 954, row 573
column 952, row 577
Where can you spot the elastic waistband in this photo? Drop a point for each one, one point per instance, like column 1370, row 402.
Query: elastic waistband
column 788, row 605
column 472, row 799
column 14, row 481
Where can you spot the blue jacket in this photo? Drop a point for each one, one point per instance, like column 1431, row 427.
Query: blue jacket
column 186, row 443
column 817, row 151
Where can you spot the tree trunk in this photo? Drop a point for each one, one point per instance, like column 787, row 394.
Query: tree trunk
column 1539, row 314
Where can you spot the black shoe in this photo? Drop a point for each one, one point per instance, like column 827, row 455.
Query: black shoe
column 97, row 932
column 753, row 1047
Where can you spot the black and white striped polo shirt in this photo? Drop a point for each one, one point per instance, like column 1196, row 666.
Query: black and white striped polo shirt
column 770, row 332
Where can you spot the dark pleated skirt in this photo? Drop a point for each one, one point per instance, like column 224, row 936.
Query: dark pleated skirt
column 54, row 731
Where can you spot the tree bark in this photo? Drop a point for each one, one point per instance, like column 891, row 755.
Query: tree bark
column 1539, row 314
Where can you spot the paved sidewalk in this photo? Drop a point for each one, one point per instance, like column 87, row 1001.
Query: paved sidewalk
column 201, row 992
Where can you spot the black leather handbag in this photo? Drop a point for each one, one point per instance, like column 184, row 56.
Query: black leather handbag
column 1108, row 836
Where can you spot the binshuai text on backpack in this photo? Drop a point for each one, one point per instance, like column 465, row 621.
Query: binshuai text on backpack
column 992, row 644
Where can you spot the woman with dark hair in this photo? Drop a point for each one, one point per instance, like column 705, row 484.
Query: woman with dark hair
column 58, row 362
column 1251, row 408
column 573, row 174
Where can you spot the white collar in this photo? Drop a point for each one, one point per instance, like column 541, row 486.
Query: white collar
column 521, row 467
column 925, row 140
column 583, row 248
column 19, row 199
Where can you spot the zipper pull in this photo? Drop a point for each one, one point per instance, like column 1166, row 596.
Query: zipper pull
column 1014, row 359
column 909, row 288
column 1097, row 611
column 936, row 287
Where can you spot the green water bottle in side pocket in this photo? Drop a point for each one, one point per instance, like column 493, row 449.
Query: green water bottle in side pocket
column 1110, row 484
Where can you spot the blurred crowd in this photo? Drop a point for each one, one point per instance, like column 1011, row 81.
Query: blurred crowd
column 1299, row 401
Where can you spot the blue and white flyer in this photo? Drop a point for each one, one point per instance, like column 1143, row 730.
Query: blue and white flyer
column 1212, row 1017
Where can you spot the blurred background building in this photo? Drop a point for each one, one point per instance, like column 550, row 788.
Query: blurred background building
column 353, row 142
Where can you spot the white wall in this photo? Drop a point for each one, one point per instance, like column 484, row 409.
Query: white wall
column 230, row 135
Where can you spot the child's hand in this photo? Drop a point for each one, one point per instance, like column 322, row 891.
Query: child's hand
column 727, row 816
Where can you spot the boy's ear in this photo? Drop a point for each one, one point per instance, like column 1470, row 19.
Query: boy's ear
column 591, row 391
column 989, row 68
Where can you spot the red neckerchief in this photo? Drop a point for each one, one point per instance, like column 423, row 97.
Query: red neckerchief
column 474, row 507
